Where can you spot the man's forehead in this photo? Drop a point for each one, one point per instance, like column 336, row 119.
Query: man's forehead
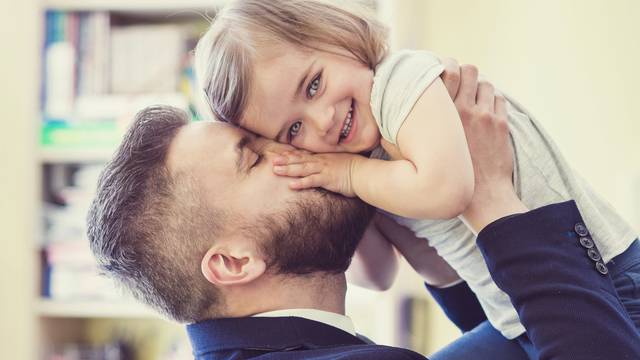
column 199, row 140
column 211, row 140
column 216, row 134
column 218, row 127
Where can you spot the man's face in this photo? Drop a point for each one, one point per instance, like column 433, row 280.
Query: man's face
column 308, row 230
column 231, row 167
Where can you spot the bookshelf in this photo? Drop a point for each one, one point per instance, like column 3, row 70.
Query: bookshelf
column 133, row 5
column 57, row 156
column 94, row 309
column 84, row 110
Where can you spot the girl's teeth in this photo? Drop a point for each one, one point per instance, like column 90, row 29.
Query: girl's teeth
column 346, row 128
column 347, row 124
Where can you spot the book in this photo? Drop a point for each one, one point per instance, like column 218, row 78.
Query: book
column 133, row 48
column 95, row 70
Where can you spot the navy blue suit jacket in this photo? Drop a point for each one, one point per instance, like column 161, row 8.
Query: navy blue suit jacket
column 565, row 300
column 290, row 338
column 569, row 308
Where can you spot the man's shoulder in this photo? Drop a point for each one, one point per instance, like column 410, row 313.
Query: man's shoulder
column 351, row 352
column 285, row 338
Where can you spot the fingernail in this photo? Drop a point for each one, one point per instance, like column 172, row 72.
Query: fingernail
column 278, row 169
column 280, row 160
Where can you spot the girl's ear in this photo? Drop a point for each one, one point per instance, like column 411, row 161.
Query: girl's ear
column 222, row 266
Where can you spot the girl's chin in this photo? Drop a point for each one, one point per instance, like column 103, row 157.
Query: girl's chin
column 372, row 143
column 363, row 142
column 365, row 147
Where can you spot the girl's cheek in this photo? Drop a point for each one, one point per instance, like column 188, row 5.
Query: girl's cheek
column 304, row 142
column 316, row 145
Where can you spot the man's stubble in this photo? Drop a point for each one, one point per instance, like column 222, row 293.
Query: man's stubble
column 318, row 233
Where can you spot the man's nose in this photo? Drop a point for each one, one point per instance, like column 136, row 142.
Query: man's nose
column 320, row 117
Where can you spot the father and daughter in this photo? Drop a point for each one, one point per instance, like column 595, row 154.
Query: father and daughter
column 382, row 126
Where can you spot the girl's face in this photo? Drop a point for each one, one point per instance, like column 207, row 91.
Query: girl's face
column 314, row 100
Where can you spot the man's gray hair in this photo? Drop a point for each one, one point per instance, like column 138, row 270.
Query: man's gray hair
column 148, row 229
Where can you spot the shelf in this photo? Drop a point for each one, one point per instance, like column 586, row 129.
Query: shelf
column 133, row 5
column 93, row 309
column 80, row 156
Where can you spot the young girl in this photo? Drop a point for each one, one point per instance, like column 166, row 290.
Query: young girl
column 317, row 75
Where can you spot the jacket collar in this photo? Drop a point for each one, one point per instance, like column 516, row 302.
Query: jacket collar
column 339, row 321
column 267, row 334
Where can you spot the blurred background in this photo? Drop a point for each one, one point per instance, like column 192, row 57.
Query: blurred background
column 72, row 72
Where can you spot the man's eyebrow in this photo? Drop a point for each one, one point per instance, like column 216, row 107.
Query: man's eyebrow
column 240, row 145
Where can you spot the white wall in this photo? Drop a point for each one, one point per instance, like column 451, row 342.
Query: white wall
column 19, row 29
column 575, row 65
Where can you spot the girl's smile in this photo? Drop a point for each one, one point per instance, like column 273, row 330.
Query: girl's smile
column 314, row 100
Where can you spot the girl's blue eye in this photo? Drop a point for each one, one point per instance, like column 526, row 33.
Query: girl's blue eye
column 314, row 86
column 294, row 129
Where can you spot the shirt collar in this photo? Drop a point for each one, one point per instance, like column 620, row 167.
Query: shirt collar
column 339, row 321
column 265, row 334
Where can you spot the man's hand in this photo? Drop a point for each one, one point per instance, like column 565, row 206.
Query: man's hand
column 484, row 118
column 451, row 76
column 331, row 171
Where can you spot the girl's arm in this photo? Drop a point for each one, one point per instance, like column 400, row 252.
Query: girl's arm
column 423, row 258
column 375, row 263
column 375, row 254
column 434, row 177
column 430, row 174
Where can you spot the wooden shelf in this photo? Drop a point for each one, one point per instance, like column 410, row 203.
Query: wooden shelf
column 80, row 156
column 93, row 309
column 133, row 5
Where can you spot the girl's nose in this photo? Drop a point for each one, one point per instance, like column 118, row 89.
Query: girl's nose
column 321, row 118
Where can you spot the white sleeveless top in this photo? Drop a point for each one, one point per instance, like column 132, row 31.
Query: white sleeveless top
column 541, row 177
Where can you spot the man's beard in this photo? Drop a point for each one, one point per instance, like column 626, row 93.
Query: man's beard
column 317, row 234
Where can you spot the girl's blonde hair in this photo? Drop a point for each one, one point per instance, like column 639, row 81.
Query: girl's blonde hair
column 225, row 55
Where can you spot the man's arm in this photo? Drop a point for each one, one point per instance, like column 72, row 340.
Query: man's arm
column 568, row 306
column 375, row 263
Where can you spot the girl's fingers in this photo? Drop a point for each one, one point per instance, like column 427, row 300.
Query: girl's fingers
column 308, row 182
column 300, row 169
column 292, row 158
column 280, row 160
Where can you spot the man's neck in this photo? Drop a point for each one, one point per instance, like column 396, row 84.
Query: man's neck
column 320, row 292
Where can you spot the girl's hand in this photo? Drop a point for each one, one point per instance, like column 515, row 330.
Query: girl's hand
column 331, row 171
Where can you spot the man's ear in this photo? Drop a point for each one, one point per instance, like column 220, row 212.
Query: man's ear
column 224, row 266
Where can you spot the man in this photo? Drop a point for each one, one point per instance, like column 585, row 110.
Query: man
column 191, row 218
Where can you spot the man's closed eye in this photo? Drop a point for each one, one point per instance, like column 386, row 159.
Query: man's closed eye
column 259, row 159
